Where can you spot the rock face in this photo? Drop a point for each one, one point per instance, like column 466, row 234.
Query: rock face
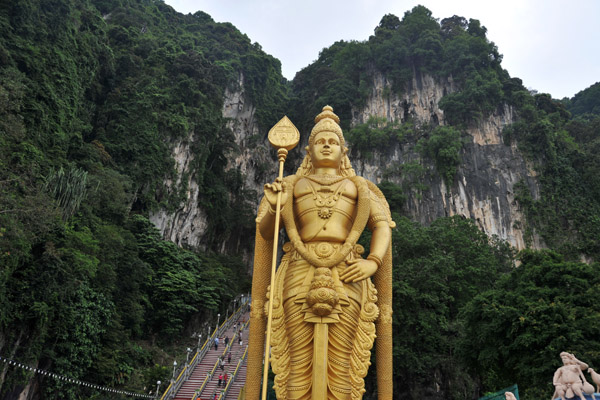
column 483, row 188
column 186, row 225
column 420, row 100
column 252, row 152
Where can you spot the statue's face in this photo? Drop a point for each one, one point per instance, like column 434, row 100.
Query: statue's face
column 326, row 151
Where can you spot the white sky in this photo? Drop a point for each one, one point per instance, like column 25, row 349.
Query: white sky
column 552, row 45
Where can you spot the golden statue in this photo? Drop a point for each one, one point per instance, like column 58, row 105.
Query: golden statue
column 324, row 305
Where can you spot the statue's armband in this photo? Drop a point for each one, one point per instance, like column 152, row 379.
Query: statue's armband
column 379, row 212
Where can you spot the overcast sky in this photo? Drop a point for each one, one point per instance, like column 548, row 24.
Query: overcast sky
column 552, row 45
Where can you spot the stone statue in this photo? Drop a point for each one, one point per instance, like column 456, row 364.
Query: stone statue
column 595, row 378
column 569, row 380
column 510, row 396
column 325, row 305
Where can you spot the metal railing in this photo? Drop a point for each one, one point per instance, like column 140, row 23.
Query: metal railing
column 233, row 376
column 209, row 376
column 230, row 382
column 188, row 368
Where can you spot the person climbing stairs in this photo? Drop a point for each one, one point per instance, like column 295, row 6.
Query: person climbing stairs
column 203, row 380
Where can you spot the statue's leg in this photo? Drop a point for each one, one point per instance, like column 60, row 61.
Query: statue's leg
column 342, row 338
column 577, row 391
column 351, row 341
column 562, row 391
column 299, row 382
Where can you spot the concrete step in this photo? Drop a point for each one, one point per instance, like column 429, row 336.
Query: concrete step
column 206, row 365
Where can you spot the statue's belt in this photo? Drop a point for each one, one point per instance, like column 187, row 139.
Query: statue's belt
column 322, row 293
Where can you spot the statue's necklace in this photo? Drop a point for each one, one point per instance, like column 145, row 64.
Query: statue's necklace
column 325, row 179
column 326, row 202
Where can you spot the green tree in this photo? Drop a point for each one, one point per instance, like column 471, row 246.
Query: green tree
column 515, row 331
column 586, row 102
column 437, row 271
column 377, row 134
column 443, row 146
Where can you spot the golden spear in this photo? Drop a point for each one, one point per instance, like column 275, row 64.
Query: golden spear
column 284, row 136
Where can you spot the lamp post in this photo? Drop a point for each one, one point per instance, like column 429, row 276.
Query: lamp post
column 218, row 319
column 174, row 367
column 187, row 357
column 157, row 389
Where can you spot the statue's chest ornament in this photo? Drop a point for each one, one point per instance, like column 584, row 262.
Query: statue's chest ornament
column 325, row 199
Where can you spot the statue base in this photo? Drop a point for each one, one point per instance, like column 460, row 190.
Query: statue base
column 593, row 396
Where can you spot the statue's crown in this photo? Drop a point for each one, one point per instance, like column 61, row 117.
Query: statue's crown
column 327, row 121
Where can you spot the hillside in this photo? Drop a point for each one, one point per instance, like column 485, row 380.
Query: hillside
column 133, row 152
column 94, row 95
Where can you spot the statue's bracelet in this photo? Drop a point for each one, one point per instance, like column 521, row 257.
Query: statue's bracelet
column 375, row 258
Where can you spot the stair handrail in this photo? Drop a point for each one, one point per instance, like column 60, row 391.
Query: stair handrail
column 233, row 376
column 236, row 315
column 185, row 373
column 187, row 368
column 209, row 376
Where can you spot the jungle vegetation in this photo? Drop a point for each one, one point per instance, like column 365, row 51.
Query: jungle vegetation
column 95, row 93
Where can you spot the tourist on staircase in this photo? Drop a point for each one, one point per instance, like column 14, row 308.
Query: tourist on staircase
column 206, row 380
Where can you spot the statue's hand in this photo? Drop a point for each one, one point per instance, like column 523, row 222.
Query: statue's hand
column 358, row 269
column 271, row 190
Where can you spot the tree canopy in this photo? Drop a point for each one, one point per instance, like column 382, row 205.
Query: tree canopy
column 94, row 95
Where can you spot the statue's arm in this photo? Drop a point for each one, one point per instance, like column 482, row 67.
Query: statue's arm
column 556, row 380
column 380, row 239
column 266, row 224
column 381, row 228
column 379, row 223
column 266, row 218
column 582, row 366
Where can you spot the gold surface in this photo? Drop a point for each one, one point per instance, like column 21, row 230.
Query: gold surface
column 284, row 134
column 322, row 309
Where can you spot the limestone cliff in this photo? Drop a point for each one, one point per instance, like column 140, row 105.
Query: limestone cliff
column 252, row 155
column 187, row 224
column 483, row 188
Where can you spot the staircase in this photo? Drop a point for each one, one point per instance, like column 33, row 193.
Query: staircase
column 205, row 376
column 237, row 385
